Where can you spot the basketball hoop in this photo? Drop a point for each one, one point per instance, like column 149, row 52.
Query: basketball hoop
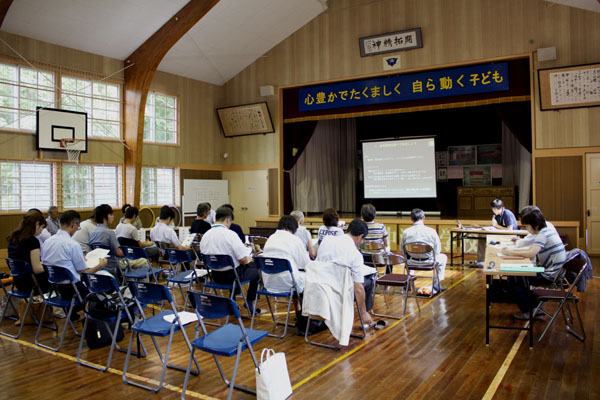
column 72, row 148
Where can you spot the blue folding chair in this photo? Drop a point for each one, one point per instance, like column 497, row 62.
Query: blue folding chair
column 177, row 260
column 272, row 266
column 218, row 262
column 108, row 286
column 17, row 268
column 228, row 340
column 116, row 272
column 135, row 253
column 56, row 276
column 155, row 326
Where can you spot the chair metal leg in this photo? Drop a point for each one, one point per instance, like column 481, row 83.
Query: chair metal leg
column 113, row 344
column 581, row 336
column 27, row 308
column 317, row 343
column 64, row 330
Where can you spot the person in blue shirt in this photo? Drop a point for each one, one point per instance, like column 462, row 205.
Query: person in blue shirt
column 503, row 218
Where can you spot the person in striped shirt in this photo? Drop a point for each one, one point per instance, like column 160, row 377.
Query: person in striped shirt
column 549, row 252
column 377, row 231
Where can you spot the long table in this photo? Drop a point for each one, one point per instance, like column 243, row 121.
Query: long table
column 474, row 233
column 491, row 270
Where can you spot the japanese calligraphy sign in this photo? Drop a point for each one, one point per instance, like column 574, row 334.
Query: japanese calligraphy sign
column 569, row 87
column 423, row 85
column 248, row 119
column 388, row 42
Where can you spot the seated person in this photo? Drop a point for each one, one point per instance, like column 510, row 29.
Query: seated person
column 44, row 235
column 418, row 232
column 127, row 233
column 62, row 251
column 162, row 231
column 210, row 218
column 343, row 250
column 136, row 222
column 330, row 225
column 103, row 236
column 220, row 240
column 23, row 245
column 530, row 238
column 304, row 234
column 82, row 236
column 52, row 224
column 503, row 219
column 550, row 253
column 377, row 231
column 235, row 227
column 199, row 225
column 284, row 244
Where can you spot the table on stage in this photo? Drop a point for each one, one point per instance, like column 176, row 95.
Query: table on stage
column 492, row 258
column 476, row 233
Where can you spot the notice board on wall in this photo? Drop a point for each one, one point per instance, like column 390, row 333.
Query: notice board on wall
column 195, row 191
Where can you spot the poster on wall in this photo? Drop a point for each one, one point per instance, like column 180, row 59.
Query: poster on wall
column 489, row 154
column 442, row 174
column 462, row 155
column 441, row 159
column 480, row 175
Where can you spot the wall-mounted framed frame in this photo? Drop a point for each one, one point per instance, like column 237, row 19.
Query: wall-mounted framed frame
column 389, row 42
column 247, row 119
column 569, row 87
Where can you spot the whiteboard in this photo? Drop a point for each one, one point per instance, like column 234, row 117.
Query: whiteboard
column 195, row 191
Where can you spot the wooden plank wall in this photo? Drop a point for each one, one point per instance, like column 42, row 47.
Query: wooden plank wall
column 560, row 188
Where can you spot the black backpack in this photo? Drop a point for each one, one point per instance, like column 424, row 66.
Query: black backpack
column 98, row 305
column 101, row 306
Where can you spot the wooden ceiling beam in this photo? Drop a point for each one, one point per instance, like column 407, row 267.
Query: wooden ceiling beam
column 143, row 63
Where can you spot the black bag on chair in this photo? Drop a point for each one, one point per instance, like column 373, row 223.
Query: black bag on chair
column 97, row 335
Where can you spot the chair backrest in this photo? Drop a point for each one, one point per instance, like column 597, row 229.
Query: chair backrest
column 178, row 256
column 577, row 266
column 217, row 261
column 272, row 265
column 18, row 267
column 257, row 240
column 149, row 293
column 57, row 275
column 395, row 259
column 209, row 306
column 418, row 248
column 372, row 245
column 100, row 283
column 196, row 250
column 124, row 241
column 134, row 253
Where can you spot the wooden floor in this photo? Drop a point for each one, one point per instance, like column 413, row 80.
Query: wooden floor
column 437, row 353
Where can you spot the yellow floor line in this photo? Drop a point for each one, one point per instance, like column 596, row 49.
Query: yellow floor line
column 381, row 332
column 505, row 365
column 115, row 371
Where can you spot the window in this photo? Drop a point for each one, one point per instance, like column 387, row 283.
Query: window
column 21, row 91
column 158, row 186
column 101, row 101
column 86, row 186
column 160, row 121
column 25, row 185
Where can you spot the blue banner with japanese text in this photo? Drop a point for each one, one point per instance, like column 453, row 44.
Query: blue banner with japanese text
column 423, row 85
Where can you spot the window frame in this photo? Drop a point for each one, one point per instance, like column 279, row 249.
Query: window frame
column 177, row 116
column 176, row 192
column 119, row 185
column 53, row 194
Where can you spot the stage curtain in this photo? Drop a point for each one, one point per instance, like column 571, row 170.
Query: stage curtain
column 516, row 166
column 325, row 174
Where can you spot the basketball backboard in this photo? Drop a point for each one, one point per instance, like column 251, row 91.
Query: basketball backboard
column 53, row 125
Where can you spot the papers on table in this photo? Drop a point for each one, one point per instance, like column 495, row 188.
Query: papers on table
column 520, row 268
column 93, row 257
column 185, row 317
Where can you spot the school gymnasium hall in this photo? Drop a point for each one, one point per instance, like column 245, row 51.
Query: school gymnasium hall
column 276, row 107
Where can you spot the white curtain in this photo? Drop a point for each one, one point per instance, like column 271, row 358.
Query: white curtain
column 516, row 166
column 324, row 175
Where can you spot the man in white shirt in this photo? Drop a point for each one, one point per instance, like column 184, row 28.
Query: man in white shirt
column 303, row 233
column 82, row 236
column 418, row 232
column 343, row 250
column 211, row 217
column 219, row 240
column 128, row 235
column 52, row 222
column 163, row 233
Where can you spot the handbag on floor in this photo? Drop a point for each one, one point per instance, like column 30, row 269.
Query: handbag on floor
column 272, row 378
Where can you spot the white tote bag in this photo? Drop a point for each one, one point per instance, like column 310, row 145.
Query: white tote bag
column 272, row 378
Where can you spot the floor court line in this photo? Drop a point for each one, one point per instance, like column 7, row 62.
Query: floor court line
column 115, row 371
column 381, row 332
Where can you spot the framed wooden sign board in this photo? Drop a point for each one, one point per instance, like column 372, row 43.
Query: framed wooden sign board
column 248, row 119
column 569, row 87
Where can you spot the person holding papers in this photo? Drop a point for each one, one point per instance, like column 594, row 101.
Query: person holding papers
column 62, row 251
column 105, row 237
column 550, row 253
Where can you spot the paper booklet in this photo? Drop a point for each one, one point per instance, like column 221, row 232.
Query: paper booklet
column 185, row 317
column 93, row 257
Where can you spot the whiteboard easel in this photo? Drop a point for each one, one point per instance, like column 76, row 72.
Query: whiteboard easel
column 195, row 191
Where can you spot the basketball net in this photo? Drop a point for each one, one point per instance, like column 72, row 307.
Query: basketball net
column 70, row 145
